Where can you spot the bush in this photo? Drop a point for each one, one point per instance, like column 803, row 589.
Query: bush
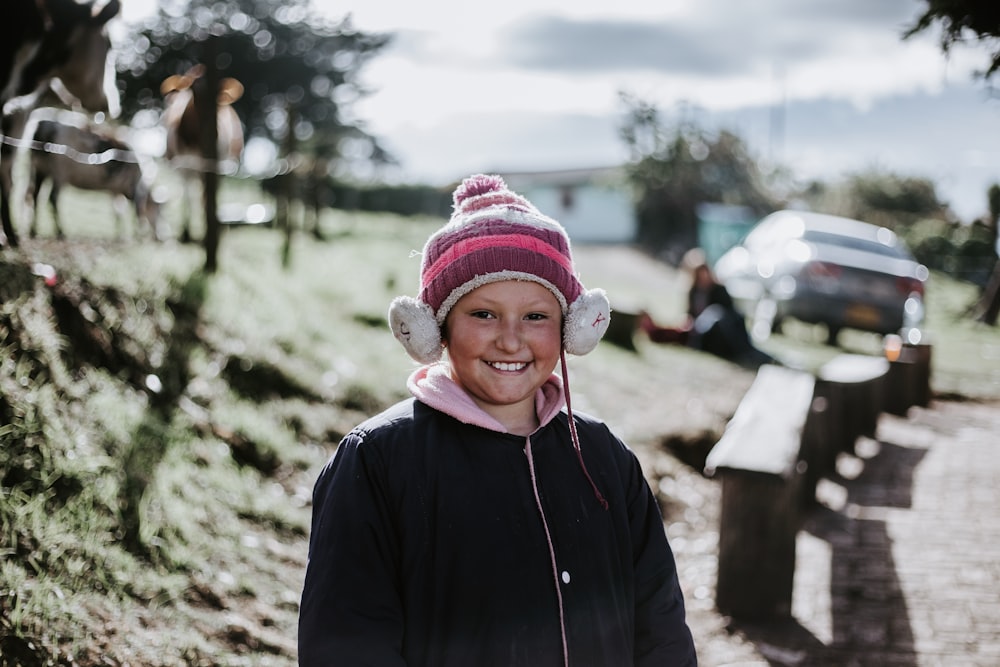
column 930, row 242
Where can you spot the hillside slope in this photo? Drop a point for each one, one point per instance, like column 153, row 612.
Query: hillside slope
column 150, row 513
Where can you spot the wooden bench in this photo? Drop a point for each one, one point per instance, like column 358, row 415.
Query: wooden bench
column 759, row 461
column 783, row 438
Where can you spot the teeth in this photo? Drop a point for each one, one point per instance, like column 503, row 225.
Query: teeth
column 502, row 366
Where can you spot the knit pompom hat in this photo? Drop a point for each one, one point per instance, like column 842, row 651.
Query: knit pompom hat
column 495, row 234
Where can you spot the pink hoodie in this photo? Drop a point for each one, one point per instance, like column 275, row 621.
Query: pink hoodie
column 433, row 385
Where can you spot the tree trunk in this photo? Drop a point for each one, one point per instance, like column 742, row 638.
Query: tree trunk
column 208, row 111
column 287, row 186
column 988, row 307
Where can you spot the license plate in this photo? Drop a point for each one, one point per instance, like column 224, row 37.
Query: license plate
column 861, row 315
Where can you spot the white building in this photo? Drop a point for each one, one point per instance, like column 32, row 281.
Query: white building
column 594, row 205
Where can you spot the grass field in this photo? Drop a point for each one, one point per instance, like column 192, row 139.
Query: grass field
column 160, row 428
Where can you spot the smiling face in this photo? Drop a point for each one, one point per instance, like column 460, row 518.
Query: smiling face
column 503, row 341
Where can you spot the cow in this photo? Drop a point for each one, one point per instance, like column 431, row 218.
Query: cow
column 116, row 169
column 45, row 39
column 182, row 93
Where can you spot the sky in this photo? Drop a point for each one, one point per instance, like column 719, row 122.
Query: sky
column 824, row 88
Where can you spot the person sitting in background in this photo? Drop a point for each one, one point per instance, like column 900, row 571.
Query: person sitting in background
column 713, row 324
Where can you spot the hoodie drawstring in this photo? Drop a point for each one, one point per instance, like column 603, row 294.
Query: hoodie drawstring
column 572, row 432
column 541, row 512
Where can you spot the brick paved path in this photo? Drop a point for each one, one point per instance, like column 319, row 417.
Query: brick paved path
column 900, row 564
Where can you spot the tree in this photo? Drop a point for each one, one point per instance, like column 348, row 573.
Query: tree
column 962, row 21
column 283, row 53
column 988, row 308
column 675, row 169
column 879, row 197
column 993, row 197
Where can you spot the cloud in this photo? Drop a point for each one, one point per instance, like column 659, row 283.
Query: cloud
column 559, row 44
column 719, row 40
column 464, row 143
column 577, row 57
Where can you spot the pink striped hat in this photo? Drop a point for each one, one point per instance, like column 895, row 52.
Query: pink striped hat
column 495, row 234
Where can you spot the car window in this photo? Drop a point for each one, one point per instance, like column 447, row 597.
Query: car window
column 856, row 243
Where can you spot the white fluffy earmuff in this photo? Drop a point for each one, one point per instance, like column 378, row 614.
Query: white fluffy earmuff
column 587, row 320
column 413, row 324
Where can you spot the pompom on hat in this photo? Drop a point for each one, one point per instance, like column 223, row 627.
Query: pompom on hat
column 495, row 234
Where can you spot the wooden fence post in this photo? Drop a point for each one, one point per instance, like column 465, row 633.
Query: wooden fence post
column 208, row 112
column 287, row 185
column 758, row 460
column 855, row 384
column 908, row 382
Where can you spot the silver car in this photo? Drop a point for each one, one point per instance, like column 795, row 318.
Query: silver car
column 824, row 269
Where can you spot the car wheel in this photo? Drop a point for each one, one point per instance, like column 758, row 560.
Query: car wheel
column 832, row 334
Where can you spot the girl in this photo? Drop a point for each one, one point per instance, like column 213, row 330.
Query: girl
column 478, row 523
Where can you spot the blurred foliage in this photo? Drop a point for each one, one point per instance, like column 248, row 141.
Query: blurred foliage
column 402, row 200
column 903, row 199
column 962, row 251
column 677, row 166
column 993, row 197
column 284, row 54
column 878, row 197
column 961, row 20
column 348, row 196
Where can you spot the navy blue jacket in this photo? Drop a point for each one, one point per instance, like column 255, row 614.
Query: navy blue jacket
column 428, row 549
